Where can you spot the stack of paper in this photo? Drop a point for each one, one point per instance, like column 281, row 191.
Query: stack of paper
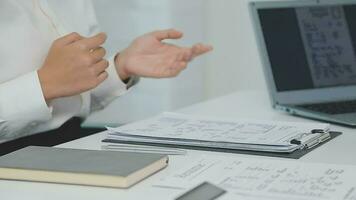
column 179, row 129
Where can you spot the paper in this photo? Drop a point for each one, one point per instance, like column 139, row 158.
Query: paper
column 328, row 45
column 252, row 179
column 170, row 128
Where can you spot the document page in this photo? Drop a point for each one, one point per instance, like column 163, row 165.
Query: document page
column 328, row 45
column 256, row 179
column 179, row 126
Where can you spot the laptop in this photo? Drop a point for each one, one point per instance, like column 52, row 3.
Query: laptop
column 308, row 52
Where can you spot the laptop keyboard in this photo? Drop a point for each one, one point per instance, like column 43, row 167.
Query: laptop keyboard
column 333, row 107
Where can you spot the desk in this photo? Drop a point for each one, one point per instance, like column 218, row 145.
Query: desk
column 245, row 104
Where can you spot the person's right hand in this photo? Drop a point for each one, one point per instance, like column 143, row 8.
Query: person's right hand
column 73, row 65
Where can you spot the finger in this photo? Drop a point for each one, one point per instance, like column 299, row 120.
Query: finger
column 70, row 38
column 98, row 54
column 92, row 42
column 100, row 66
column 102, row 77
column 188, row 55
column 167, row 34
column 181, row 65
column 180, row 56
column 184, row 55
column 176, row 69
column 200, row 49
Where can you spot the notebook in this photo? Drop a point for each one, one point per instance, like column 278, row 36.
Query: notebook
column 83, row 167
column 251, row 135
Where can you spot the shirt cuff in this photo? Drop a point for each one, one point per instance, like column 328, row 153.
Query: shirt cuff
column 22, row 98
column 112, row 87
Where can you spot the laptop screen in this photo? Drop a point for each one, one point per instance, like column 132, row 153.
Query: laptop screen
column 310, row 47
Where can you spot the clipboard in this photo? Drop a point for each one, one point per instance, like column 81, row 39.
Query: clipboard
column 267, row 138
column 292, row 155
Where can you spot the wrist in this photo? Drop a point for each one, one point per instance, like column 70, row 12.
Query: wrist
column 120, row 67
column 47, row 91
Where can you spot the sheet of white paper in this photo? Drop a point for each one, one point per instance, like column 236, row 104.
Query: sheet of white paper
column 179, row 126
column 256, row 179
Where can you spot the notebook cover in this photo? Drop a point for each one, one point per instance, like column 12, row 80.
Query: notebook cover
column 110, row 163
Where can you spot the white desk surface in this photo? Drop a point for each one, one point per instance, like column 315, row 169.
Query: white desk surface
column 247, row 104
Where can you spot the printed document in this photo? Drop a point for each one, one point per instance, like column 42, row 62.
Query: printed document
column 256, row 179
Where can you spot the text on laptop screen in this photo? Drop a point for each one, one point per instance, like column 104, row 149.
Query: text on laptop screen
column 311, row 47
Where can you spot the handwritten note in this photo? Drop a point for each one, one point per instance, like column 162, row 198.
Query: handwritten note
column 254, row 179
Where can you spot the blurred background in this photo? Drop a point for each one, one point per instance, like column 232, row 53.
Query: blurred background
column 233, row 65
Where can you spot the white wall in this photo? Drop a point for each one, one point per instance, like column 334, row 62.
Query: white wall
column 124, row 20
column 235, row 63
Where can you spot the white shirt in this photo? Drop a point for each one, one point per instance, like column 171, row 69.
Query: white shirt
column 28, row 28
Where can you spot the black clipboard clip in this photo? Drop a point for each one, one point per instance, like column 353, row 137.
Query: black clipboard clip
column 312, row 139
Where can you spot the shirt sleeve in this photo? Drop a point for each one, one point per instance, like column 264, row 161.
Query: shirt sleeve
column 113, row 86
column 22, row 105
column 107, row 91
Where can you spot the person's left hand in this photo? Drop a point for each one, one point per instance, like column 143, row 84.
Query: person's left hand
column 148, row 56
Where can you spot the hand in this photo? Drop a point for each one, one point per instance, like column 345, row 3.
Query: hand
column 148, row 56
column 73, row 65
